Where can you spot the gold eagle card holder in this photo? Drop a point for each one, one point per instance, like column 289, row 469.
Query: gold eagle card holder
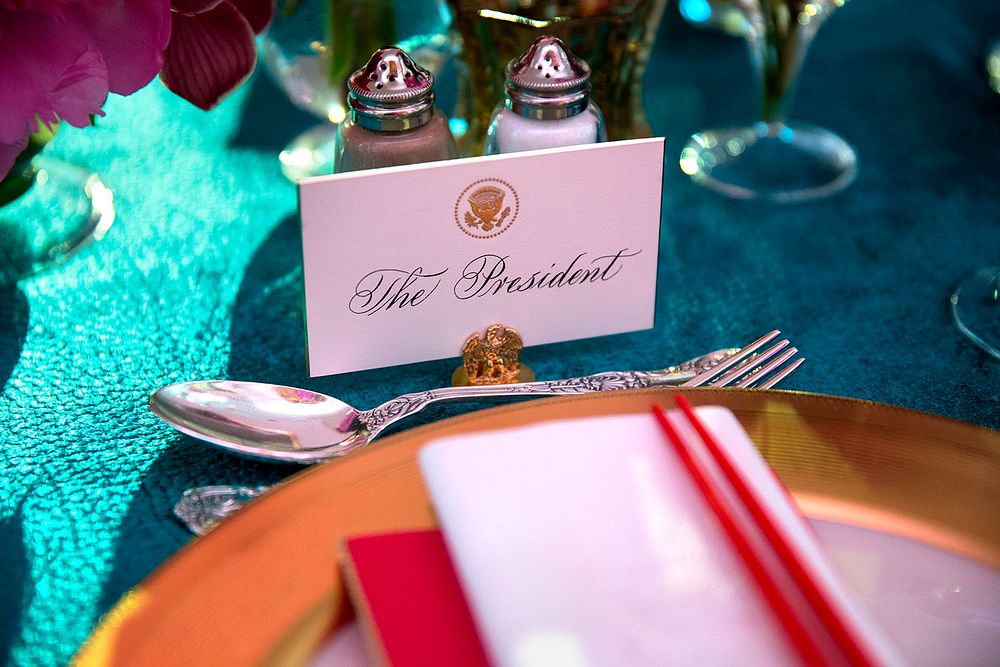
column 494, row 358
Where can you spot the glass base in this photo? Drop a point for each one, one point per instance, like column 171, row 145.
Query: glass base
column 776, row 162
column 310, row 153
column 65, row 208
column 993, row 66
column 975, row 305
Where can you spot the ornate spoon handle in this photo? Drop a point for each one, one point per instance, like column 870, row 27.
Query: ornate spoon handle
column 377, row 419
column 202, row 508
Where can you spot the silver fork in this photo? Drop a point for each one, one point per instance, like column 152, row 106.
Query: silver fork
column 202, row 508
column 749, row 368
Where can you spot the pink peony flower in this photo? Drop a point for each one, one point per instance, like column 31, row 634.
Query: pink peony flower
column 60, row 58
column 212, row 50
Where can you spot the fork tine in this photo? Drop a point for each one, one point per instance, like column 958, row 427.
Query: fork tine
column 781, row 375
column 759, row 372
column 761, row 377
column 749, row 366
column 732, row 361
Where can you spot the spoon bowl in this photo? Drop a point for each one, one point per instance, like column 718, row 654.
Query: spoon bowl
column 262, row 421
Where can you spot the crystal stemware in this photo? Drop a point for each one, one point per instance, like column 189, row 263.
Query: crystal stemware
column 993, row 66
column 774, row 159
column 975, row 305
column 49, row 209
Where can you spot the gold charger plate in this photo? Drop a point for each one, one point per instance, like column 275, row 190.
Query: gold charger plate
column 263, row 588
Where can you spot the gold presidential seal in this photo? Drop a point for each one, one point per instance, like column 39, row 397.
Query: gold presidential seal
column 486, row 208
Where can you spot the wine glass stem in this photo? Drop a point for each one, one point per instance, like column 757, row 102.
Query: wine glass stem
column 777, row 48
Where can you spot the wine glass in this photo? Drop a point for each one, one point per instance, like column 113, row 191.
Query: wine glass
column 993, row 66
column 49, row 209
column 312, row 46
column 774, row 159
column 975, row 305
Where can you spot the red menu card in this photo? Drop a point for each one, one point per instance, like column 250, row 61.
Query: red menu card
column 409, row 600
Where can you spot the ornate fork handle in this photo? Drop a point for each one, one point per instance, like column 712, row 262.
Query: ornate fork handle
column 202, row 508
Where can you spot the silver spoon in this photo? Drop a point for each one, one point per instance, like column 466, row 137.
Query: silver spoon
column 277, row 423
column 202, row 508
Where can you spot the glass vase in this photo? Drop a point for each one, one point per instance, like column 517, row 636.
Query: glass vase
column 613, row 36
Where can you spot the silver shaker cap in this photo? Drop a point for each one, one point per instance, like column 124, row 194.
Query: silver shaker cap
column 547, row 81
column 391, row 92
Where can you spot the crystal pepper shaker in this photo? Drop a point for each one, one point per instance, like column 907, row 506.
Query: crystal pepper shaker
column 392, row 119
column 547, row 102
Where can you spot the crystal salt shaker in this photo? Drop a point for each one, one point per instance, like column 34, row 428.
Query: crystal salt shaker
column 392, row 119
column 547, row 102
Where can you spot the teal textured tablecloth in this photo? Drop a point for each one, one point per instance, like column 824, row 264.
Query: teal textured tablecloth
column 200, row 278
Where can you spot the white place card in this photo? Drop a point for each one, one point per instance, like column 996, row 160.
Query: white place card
column 403, row 264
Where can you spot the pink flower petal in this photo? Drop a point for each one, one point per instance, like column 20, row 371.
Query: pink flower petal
column 131, row 36
column 209, row 55
column 192, row 7
column 81, row 90
column 48, row 66
column 257, row 12
column 9, row 153
column 41, row 6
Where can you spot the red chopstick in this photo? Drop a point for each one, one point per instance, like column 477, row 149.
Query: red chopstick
column 838, row 626
column 805, row 641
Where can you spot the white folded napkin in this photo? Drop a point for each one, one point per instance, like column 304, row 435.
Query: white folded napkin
column 584, row 542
